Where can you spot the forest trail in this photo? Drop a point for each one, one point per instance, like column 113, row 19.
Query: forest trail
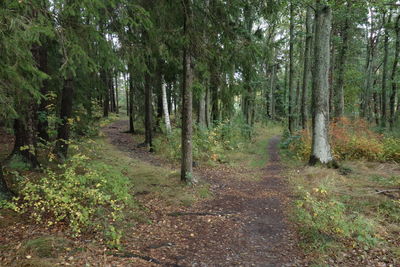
column 244, row 224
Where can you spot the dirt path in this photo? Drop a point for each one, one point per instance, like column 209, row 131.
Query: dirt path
column 245, row 224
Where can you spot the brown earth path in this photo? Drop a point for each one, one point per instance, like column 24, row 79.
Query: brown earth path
column 244, row 224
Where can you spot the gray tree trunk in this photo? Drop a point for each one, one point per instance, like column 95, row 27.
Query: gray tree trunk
column 321, row 150
column 306, row 71
column 384, row 115
column 394, row 72
column 291, row 108
column 339, row 88
column 187, row 130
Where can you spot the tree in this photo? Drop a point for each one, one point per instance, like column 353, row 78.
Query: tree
column 187, row 84
column 321, row 151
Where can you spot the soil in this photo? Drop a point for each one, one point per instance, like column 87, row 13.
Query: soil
column 244, row 224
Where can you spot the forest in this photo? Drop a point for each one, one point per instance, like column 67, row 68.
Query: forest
column 199, row 133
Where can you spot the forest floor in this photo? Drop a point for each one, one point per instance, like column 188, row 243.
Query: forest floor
column 236, row 216
column 244, row 223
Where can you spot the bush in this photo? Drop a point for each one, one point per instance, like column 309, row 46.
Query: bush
column 208, row 144
column 350, row 140
column 323, row 218
column 84, row 194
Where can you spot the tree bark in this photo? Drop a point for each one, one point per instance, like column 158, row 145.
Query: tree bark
column 165, row 106
column 339, row 89
column 187, row 130
column 394, row 73
column 61, row 148
column 116, row 94
column 106, row 103
column 384, row 115
column 202, row 110
column 291, row 107
column 306, row 70
column 148, row 106
column 321, row 151
column 5, row 192
column 131, row 102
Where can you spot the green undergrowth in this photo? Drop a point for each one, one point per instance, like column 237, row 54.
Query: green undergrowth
column 255, row 153
column 95, row 191
column 229, row 142
column 339, row 212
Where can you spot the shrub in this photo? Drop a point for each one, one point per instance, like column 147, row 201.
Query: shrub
column 349, row 140
column 86, row 195
column 208, row 144
column 323, row 218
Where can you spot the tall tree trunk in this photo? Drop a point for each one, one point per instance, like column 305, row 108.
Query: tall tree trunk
column 306, row 70
column 394, row 72
column 5, row 192
column 332, row 78
column 321, row 151
column 25, row 136
column 106, row 103
column 148, row 106
column 116, row 94
column 165, row 106
column 271, row 107
column 339, row 88
column 187, row 153
column 367, row 93
column 214, row 86
column 291, row 108
column 207, row 107
column 42, row 124
column 61, row 148
column 202, row 110
column 113, row 107
column 131, row 102
column 384, row 116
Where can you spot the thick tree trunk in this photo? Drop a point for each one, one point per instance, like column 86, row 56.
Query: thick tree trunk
column 367, row 93
column 5, row 192
column 306, row 70
column 291, row 107
column 42, row 124
column 113, row 107
column 116, row 94
column 25, row 136
column 148, row 106
column 321, row 151
column 332, row 78
column 394, row 73
column 214, row 85
column 339, row 88
column 271, row 107
column 187, row 130
column 202, row 110
column 165, row 106
column 106, row 100
column 131, row 103
column 61, row 148
column 384, row 115
column 207, row 107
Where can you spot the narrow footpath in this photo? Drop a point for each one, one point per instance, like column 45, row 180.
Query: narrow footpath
column 244, row 224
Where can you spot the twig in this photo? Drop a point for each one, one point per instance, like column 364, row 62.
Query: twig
column 386, row 191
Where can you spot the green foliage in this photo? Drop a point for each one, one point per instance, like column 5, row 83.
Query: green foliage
column 324, row 219
column 208, row 144
column 85, row 194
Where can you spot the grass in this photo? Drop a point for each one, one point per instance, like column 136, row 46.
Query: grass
column 255, row 153
column 337, row 214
